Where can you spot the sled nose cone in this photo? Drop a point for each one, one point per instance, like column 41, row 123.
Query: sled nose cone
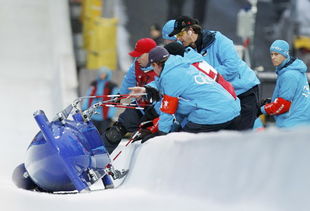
column 62, row 158
column 22, row 179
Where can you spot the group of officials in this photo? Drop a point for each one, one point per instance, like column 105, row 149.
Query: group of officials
column 197, row 82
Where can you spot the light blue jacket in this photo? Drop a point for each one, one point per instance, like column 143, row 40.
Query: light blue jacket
column 220, row 53
column 292, row 85
column 201, row 99
column 100, row 84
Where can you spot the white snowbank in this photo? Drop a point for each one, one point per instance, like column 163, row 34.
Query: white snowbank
column 217, row 171
column 268, row 169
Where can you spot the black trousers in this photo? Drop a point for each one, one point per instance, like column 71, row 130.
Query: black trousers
column 130, row 119
column 249, row 105
column 192, row 127
column 102, row 125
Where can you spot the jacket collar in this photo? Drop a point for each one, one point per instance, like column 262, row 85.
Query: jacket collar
column 204, row 40
column 285, row 64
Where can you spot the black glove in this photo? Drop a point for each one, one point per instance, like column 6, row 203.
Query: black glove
column 149, row 114
column 152, row 94
column 152, row 135
column 264, row 102
column 259, row 112
column 136, row 136
column 116, row 99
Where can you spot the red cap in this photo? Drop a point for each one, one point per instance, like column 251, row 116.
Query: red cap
column 143, row 45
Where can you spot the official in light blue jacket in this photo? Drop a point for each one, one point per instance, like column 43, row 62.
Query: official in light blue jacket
column 290, row 103
column 219, row 51
column 197, row 60
column 189, row 92
column 100, row 87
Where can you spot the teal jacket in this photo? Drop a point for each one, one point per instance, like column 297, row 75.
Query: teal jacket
column 219, row 51
column 292, row 85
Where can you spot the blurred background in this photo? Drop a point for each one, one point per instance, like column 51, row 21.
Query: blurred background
column 104, row 31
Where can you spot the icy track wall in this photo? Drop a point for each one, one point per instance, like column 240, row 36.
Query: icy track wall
column 63, row 56
column 37, row 70
column 269, row 170
column 36, row 45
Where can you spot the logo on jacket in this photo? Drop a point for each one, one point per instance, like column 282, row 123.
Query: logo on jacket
column 165, row 104
column 202, row 79
column 306, row 91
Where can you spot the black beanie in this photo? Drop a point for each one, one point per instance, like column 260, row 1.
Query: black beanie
column 175, row 48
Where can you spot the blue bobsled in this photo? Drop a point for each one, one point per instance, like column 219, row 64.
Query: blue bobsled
column 67, row 155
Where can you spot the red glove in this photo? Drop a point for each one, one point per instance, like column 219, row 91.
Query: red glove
column 152, row 131
column 146, row 128
column 279, row 106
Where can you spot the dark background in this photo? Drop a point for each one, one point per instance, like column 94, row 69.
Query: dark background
column 219, row 15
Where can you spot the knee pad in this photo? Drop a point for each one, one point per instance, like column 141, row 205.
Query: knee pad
column 115, row 133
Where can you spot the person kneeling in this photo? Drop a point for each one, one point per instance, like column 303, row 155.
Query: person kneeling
column 187, row 92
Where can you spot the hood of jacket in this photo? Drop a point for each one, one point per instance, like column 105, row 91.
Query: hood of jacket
column 205, row 39
column 293, row 65
column 105, row 70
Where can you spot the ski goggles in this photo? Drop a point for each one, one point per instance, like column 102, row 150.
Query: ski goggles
column 181, row 33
